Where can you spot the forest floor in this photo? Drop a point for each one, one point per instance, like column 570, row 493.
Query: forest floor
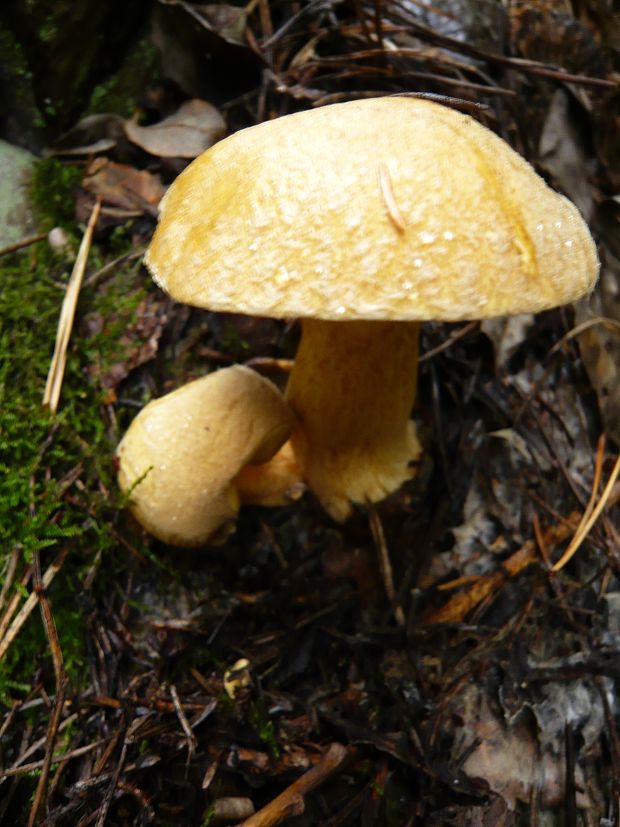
column 277, row 678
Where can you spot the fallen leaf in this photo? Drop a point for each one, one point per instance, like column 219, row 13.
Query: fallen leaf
column 194, row 127
column 599, row 342
column 96, row 133
column 138, row 344
column 507, row 334
column 508, row 758
column 224, row 20
column 123, row 186
column 563, row 154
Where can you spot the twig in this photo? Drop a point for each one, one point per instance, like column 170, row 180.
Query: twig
column 455, row 610
column 31, row 602
column 291, row 801
column 385, row 565
column 25, row 242
column 613, row 324
column 517, row 64
column 95, row 277
column 9, row 574
column 13, row 604
column 65, row 756
column 452, row 338
column 109, row 794
column 191, row 738
column 67, row 314
column 570, row 791
column 14, row 769
column 61, row 687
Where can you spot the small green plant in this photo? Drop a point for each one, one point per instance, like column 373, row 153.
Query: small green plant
column 264, row 727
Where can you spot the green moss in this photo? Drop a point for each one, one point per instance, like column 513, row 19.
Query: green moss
column 121, row 92
column 209, row 816
column 48, row 30
column 57, row 480
column 52, row 193
column 264, row 727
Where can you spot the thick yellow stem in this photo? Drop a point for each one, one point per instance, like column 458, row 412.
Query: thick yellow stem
column 352, row 390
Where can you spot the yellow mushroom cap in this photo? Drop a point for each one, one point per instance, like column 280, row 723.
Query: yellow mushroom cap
column 181, row 454
column 385, row 208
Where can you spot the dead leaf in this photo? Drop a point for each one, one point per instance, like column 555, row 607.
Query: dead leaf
column 224, row 20
column 599, row 342
column 123, row 186
column 138, row 344
column 94, row 134
column 506, row 334
column 508, row 757
column 194, row 127
column 563, row 154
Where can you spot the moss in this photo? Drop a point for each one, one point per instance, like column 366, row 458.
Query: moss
column 209, row 816
column 52, row 193
column 57, row 481
column 48, row 30
column 264, row 727
column 121, row 92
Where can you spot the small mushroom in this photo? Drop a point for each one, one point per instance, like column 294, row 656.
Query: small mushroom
column 364, row 219
column 183, row 459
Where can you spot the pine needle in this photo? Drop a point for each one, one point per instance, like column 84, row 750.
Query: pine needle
column 30, row 603
column 588, row 521
column 56, row 373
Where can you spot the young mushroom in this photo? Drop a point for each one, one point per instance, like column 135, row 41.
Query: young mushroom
column 364, row 219
column 184, row 458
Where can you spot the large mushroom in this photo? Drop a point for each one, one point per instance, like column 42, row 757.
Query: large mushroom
column 364, row 219
column 192, row 457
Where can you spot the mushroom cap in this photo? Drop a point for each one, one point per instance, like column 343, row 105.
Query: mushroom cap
column 384, row 208
column 180, row 455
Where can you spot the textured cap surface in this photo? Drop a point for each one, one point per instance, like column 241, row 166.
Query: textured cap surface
column 385, row 208
column 181, row 453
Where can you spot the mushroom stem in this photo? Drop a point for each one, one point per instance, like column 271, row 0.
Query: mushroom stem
column 352, row 389
column 275, row 482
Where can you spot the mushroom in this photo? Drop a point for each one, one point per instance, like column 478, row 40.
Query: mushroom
column 183, row 459
column 364, row 219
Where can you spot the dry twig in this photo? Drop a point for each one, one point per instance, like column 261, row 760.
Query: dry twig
column 291, row 801
column 31, row 601
column 25, row 242
column 459, row 606
column 61, row 688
